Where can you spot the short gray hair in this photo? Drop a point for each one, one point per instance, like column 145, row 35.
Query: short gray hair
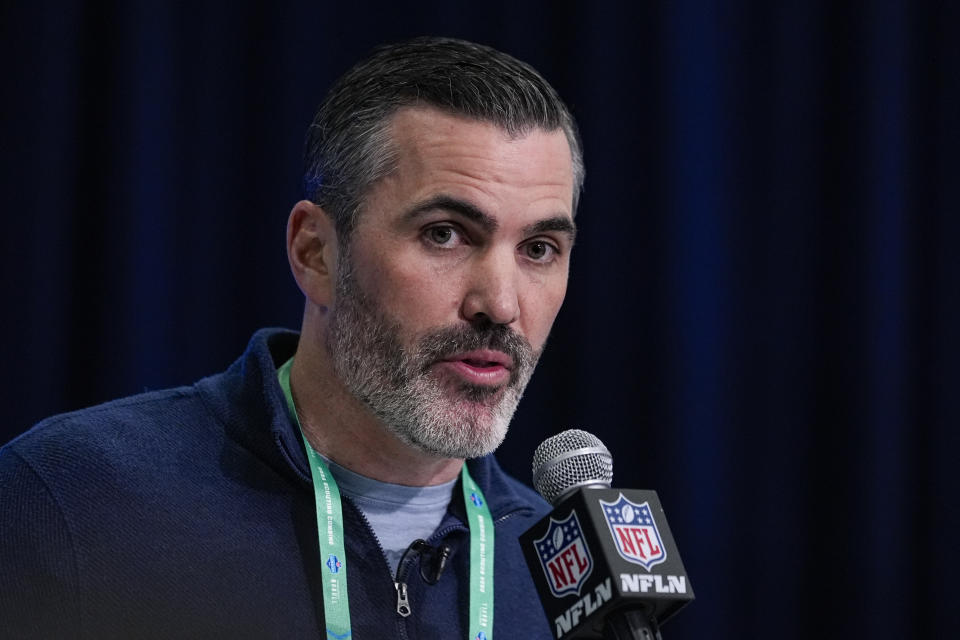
column 348, row 146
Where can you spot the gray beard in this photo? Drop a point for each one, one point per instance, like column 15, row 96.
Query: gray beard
column 394, row 381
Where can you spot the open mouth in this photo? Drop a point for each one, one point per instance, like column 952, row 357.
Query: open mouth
column 483, row 359
column 482, row 364
column 485, row 368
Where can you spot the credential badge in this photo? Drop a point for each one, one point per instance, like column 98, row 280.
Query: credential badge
column 634, row 531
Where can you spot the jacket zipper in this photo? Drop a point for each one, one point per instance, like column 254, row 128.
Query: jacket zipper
column 400, row 585
column 403, row 604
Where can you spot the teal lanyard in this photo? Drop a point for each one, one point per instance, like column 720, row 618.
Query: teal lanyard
column 336, row 607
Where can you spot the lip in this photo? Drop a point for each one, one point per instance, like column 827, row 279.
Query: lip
column 481, row 367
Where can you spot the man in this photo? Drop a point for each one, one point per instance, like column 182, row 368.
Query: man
column 318, row 488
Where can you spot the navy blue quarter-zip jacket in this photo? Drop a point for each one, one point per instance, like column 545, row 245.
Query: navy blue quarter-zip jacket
column 189, row 513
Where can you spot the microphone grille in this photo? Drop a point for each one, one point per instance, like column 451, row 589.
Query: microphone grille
column 569, row 460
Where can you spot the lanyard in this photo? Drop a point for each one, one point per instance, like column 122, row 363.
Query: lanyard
column 336, row 607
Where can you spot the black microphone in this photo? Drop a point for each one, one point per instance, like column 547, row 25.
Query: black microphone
column 604, row 561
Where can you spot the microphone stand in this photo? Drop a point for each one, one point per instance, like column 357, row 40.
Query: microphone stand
column 630, row 624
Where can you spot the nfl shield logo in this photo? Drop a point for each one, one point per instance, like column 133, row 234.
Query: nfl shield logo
column 634, row 531
column 333, row 563
column 564, row 556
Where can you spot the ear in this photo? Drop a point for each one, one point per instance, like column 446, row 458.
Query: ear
column 312, row 251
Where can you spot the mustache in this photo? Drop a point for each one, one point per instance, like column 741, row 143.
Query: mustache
column 441, row 343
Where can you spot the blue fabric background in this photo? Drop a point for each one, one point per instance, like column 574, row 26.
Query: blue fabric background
column 763, row 310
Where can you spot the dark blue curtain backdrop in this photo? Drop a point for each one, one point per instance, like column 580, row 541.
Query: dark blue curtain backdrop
column 763, row 314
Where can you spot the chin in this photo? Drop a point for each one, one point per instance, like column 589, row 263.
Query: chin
column 457, row 432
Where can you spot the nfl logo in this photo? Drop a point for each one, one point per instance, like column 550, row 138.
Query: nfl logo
column 634, row 531
column 333, row 563
column 564, row 556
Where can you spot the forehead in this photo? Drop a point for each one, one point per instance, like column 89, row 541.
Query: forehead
column 437, row 152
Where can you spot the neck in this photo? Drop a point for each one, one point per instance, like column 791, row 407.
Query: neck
column 341, row 428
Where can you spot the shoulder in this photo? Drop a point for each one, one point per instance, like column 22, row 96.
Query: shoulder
column 144, row 420
column 157, row 420
column 68, row 485
column 106, row 452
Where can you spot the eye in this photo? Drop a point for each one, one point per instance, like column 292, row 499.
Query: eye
column 441, row 235
column 540, row 251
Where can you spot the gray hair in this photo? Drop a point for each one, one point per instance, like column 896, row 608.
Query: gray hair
column 348, row 146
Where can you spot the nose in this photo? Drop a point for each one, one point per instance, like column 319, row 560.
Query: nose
column 492, row 293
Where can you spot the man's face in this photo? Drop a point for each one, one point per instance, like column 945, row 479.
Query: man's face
column 452, row 279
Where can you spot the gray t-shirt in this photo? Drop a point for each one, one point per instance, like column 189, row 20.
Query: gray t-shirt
column 398, row 514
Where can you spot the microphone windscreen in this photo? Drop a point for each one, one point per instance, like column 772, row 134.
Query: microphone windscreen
column 569, row 460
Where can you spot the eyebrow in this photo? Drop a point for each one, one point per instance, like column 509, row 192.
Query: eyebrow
column 485, row 221
column 562, row 224
column 449, row 203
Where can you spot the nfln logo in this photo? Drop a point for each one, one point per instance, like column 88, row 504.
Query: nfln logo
column 564, row 556
column 634, row 531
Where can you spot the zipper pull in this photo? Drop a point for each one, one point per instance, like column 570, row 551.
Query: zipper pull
column 403, row 605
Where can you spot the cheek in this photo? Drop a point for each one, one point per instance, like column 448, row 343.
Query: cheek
column 539, row 308
column 416, row 293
